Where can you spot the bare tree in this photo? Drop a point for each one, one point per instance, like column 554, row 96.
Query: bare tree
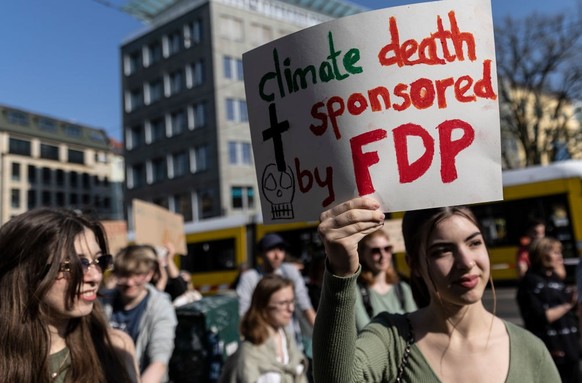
column 539, row 64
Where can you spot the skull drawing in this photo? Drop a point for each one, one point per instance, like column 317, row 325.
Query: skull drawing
column 279, row 189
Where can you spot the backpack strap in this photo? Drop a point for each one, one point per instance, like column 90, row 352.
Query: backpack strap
column 400, row 295
column 365, row 292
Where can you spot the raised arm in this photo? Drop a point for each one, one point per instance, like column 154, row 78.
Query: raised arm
column 334, row 339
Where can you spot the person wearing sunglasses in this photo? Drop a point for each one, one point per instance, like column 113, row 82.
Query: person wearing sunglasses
column 268, row 353
column 52, row 328
column 141, row 310
column 379, row 285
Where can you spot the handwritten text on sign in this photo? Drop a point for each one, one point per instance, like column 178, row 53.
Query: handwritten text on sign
column 399, row 104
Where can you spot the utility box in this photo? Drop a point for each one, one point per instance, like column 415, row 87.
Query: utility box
column 206, row 334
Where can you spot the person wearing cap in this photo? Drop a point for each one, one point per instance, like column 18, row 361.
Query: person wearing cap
column 272, row 249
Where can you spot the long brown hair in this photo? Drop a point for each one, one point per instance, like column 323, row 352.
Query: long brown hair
column 34, row 244
column 366, row 275
column 417, row 226
column 254, row 326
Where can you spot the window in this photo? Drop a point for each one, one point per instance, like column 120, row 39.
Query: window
column 49, row 152
column 177, row 83
column 161, row 201
column 233, row 68
column 198, row 117
column 137, row 176
column 47, row 125
column 133, row 62
column 15, row 198
column 76, row 156
column 86, row 180
column 73, row 131
column 179, row 123
column 175, row 42
column 242, row 197
column 196, row 74
column 73, row 199
column 136, row 136
column 60, row 177
column 21, row 147
column 135, row 99
column 231, row 28
column 31, row 174
column 98, row 136
column 158, row 129
column 74, row 179
column 15, row 171
column 200, row 159
column 159, row 169
column 60, row 198
column 206, row 203
column 17, row 118
column 46, row 198
column 183, row 205
column 236, row 110
column 31, row 197
column 181, row 164
column 260, row 34
column 194, row 33
column 239, row 153
column 154, row 52
column 46, row 176
column 155, row 90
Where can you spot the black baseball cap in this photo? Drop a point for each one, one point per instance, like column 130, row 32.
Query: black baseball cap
column 270, row 241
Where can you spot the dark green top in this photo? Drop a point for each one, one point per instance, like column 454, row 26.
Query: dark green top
column 59, row 364
column 340, row 355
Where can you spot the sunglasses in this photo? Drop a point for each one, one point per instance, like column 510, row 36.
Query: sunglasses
column 377, row 250
column 102, row 262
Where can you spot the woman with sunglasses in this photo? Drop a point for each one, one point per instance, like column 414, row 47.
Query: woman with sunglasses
column 267, row 354
column 379, row 285
column 452, row 339
column 52, row 328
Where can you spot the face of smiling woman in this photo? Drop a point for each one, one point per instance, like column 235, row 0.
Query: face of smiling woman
column 86, row 246
column 457, row 261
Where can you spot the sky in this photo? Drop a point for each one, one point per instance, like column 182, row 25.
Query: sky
column 62, row 57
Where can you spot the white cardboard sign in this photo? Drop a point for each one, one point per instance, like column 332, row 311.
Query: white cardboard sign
column 399, row 104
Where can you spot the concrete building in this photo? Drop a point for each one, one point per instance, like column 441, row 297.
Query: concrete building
column 45, row 161
column 186, row 134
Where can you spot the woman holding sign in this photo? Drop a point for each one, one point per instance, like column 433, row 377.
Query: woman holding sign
column 453, row 339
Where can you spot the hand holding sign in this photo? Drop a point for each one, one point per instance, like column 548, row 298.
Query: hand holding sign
column 398, row 104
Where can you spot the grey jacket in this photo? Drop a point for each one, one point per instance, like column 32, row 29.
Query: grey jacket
column 157, row 329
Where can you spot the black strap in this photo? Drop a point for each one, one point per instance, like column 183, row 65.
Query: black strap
column 365, row 292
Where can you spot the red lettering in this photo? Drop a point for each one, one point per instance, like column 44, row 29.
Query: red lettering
column 400, row 91
column 374, row 96
column 462, row 85
column 407, row 171
column 333, row 113
column 362, row 161
column 357, row 104
column 441, row 87
column 318, row 130
column 300, row 175
column 450, row 149
column 422, row 93
column 484, row 87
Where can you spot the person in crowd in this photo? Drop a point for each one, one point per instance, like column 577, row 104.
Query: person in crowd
column 535, row 229
column 167, row 278
column 142, row 311
column 52, row 328
column 272, row 248
column 379, row 286
column 190, row 295
column 267, row 353
column 547, row 306
column 452, row 339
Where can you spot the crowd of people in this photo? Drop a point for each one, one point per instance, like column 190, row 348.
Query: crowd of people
column 67, row 317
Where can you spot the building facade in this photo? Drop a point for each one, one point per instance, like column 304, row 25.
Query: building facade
column 186, row 132
column 45, row 161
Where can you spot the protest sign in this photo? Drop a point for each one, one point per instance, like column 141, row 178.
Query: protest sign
column 155, row 226
column 116, row 232
column 398, row 104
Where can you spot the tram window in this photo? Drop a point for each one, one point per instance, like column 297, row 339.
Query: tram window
column 504, row 222
column 216, row 255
